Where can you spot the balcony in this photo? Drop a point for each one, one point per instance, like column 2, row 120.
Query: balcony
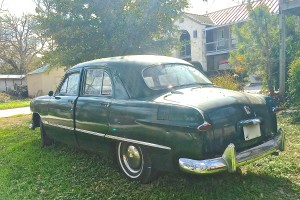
column 290, row 7
column 220, row 46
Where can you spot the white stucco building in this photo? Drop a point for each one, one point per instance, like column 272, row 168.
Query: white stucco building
column 208, row 38
column 192, row 37
column 44, row 79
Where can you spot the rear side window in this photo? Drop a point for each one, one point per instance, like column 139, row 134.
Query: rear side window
column 93, row 82
column 70, row 84
column 97, row 83
column 106, row 85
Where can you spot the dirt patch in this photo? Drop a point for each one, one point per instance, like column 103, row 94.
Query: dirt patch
column 15, row 121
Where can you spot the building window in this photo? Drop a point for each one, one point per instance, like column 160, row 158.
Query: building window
column 195, row 34
column 220, row 34
column 185, row 51
column 220, row 38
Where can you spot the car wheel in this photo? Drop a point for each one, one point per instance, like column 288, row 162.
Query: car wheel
column 46, row 141
column 134, row 162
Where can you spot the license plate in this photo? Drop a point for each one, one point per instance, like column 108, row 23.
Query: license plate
column 251, row 131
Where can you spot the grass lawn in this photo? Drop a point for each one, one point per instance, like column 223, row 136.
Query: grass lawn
column 14, row 104
column 28, row 171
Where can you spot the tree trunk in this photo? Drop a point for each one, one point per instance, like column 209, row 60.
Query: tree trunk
column 269, row 64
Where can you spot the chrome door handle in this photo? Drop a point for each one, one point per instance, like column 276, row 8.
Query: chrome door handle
column 105, row 104
column 71, row 101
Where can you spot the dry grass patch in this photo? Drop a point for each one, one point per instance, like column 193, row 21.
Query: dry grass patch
column 14, row 122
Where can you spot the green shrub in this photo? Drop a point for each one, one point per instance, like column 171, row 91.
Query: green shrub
column 4, row 97
column 294, row 82
column 227, row 81
column 295, row 117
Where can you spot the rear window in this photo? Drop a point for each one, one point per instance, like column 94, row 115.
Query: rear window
column 172, row 75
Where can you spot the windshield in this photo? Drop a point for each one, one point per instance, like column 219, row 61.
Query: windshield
column 172, row 75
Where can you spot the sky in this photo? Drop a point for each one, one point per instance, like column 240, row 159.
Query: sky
column 202, row 7
column 18, row 7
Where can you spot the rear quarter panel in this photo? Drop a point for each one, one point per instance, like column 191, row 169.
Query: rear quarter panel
column 137, row 120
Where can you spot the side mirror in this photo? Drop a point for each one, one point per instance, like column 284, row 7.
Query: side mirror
column 50, row 93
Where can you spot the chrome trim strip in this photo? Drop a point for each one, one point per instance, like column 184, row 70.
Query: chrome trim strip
column 59, row 126
column 112, row 137
column 250, row 122
column 90, row 132
column 138, row 142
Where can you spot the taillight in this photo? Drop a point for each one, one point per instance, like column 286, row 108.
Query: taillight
column 179, row 114
column 204, row 127
column 276, row 109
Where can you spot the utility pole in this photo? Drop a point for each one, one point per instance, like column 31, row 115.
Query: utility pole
column 1, row 4
column 282, row 67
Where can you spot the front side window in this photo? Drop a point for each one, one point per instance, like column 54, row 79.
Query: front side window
column 69, row 86
column 173, row 75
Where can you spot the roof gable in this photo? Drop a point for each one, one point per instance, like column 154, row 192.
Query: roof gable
column 201, row 19
column 40, row 70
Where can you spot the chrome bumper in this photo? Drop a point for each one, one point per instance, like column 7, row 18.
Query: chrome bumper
column 230, row 160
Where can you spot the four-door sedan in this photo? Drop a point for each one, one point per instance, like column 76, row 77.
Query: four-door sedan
column 157, row 113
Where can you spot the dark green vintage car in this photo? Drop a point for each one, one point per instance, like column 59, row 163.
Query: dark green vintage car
column 157, row 113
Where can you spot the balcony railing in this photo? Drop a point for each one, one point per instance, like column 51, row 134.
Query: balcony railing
column 220, row 46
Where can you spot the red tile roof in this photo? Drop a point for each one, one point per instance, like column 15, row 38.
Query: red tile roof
column 239, row 13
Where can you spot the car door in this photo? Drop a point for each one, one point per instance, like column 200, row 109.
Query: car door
column 92, row 109
column 60, row 119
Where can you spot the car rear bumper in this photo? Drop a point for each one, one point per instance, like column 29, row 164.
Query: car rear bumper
column 230, row 160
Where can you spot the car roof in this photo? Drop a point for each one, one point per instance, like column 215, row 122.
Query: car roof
column 129, row 69
column 142, row 60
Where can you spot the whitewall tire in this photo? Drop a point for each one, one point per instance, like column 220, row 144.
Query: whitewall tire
column 134, row 162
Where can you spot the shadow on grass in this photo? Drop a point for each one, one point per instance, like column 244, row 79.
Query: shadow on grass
column 234, row 186
column 62, row 172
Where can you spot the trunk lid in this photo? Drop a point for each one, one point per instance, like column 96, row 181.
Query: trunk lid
column 209, row 98
column 225, row 110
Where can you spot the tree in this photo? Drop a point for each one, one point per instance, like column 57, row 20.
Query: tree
column 294, row 83
column 1, row 5
column 19, row 41
column 292, row 40
column 258, row 45
column 88, row 29
column 258, row 41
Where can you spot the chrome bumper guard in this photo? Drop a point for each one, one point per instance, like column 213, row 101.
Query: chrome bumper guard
column 230, row 160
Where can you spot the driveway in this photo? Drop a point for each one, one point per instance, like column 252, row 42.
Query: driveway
column 15, row 111
column 254, row 89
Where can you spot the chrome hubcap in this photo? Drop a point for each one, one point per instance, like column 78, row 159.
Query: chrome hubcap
column 132, row 159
